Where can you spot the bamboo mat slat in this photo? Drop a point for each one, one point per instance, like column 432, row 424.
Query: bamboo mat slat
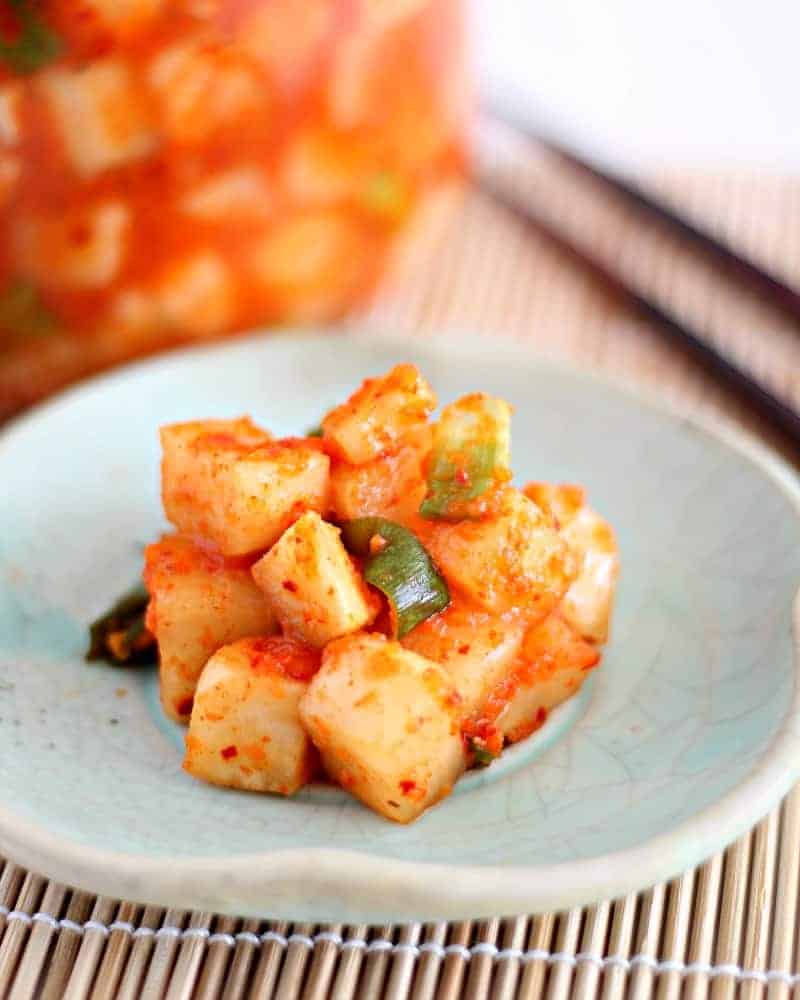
column 430, row 962
column 616, row 975
column 704, row 929
column 728, row 929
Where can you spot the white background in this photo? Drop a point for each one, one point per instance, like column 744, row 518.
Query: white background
column 705, row 82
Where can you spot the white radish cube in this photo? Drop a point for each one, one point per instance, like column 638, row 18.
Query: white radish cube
column 417, row 120
column 561, row 501
column 512, row 560
column 10, row 95
column 554, row 663
column 288, row 38
column 380, row 415
column 82, row 250
column 121, row 17
column 198, row 602
column 311, row 583
column 201, row 86
column 386, row 722
column 197, row 295
column 227, row 481
column 101, row 115
column 313, row 263
column 239, row 193
column 137, row 315
column 318, row 167
column 588, row 603
column 245, row 730
column 393, row 486
column 478, row 650
column 378, row 14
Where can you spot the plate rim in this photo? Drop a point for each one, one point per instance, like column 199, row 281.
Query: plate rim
column 367, row 880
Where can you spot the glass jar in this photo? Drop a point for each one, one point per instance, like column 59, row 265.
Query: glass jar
column 181, row 169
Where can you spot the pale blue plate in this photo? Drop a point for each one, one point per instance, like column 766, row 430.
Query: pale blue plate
column 689, row 735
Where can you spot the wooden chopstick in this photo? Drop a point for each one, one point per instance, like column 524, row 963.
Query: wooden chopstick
column 746, row 387
column 778, row 292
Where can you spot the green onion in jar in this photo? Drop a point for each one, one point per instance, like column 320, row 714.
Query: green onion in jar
column 26, row 41
column 471, row 454
column 22, row 312
column 397, row 564
column 387, row 195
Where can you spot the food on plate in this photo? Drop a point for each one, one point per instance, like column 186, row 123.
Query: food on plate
column 471, row 455
column 245, row 729
column 199, row 601
column 175, row 170
column 587, row 603
column 395, row 562
column 510, row 560
column 310, row 580
column 552, row 665
column 227, row 481
column 387, row 724
column 375, row 602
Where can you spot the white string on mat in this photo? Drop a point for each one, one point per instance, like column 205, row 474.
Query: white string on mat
column 442, row 951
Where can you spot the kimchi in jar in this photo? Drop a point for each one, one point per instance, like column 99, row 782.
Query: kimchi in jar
column 172, row 170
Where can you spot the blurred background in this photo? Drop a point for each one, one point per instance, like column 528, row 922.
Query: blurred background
column 690, row 82
column 175, row 171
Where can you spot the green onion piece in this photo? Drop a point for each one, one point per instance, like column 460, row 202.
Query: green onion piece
column 315, row 432
column 482, row 756
column 23, row 313
column 32, row 43
column 120, row 636
column 471, row 452
column 386, row 194
column 397, row 563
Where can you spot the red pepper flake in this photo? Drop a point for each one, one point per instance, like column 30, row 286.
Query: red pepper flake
column 483, row 733
column 227, row 752
column 464, row 648
column 279, row 654
column 462, row 477
column 377, row 544
column 407, row 787
column 453, row 699
column 290, row 585
column 185, row 706
column 592, row 664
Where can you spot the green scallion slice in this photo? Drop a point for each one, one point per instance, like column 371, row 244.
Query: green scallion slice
column 397, row 564
column 120, row 636
column 471, row 453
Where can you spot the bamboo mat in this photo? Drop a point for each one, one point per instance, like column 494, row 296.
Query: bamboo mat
column 729, row 928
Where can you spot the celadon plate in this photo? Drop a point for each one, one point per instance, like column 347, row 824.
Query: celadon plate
column 688, row 735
